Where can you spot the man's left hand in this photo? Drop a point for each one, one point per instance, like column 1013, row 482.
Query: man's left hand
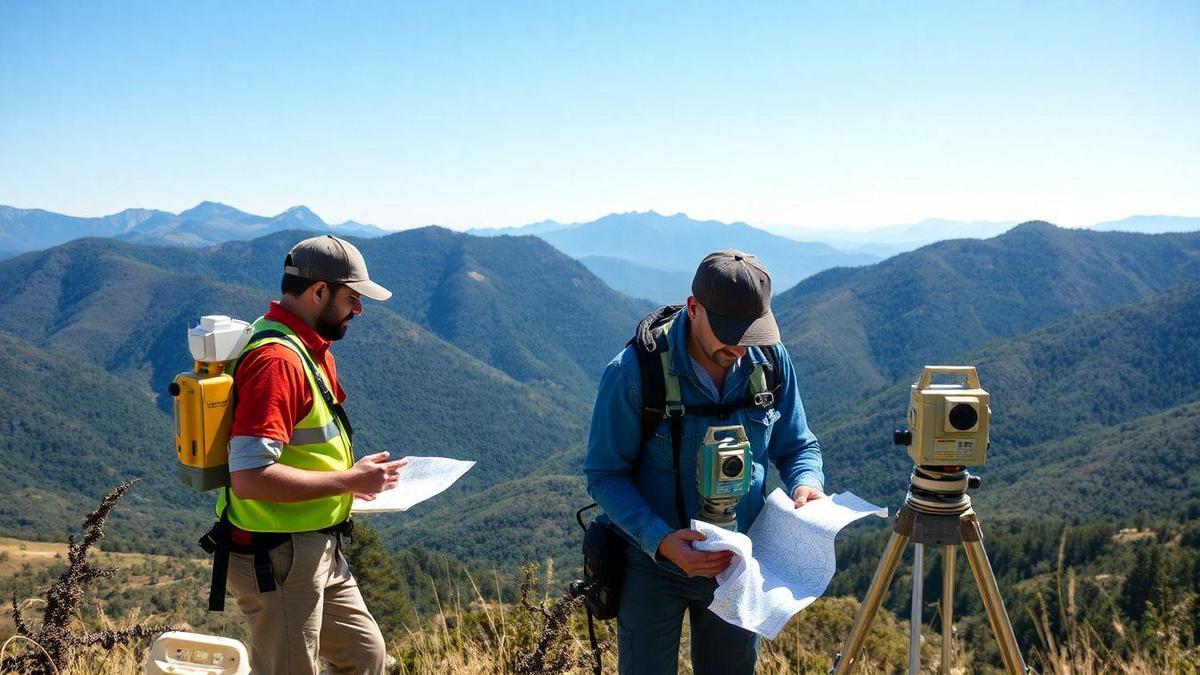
column 805, row 494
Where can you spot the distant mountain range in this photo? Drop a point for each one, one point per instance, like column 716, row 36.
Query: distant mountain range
column 1151, row 224
column 644, row 255
column 641, row 281
column 205, row 224
column 887, row 241
column 649, row 255
column 640, row 254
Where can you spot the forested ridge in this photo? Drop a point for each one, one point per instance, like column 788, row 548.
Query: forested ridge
column 491, row 346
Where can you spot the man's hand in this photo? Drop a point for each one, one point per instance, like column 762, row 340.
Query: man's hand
column 373, row 474
column 805, row 494
column 677, row 548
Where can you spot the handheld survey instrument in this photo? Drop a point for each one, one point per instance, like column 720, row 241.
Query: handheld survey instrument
column 202, row 401
column 723, row 474
column 947, row 432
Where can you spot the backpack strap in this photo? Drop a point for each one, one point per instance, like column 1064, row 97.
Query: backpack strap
column 317, row 376
column 652, row 349
column 673, row 410
column 661, row 397
column 764, row 389
column 764, row 380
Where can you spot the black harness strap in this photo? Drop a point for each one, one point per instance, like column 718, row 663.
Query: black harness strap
column 264, row 571
column 597, row 667
column 676, row 423
column 216, row 541
column 219, row 542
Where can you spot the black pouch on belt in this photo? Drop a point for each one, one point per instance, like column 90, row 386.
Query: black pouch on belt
column 603, row 566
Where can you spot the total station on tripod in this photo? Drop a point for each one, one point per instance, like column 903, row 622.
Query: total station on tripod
column 947, row 432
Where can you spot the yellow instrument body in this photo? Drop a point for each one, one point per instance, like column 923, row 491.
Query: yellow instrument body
column 203, row 402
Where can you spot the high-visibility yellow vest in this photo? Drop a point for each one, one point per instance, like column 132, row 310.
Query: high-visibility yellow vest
column 318, row 443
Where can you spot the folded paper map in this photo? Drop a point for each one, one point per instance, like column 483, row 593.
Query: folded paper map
column 783, row 563
column 420, row 479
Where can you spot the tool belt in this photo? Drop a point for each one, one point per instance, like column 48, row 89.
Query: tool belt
column 225, row 538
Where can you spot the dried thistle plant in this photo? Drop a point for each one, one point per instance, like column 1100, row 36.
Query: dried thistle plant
column 553, row 651
column 54, row 636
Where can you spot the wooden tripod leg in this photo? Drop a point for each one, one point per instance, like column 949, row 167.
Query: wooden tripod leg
column 948, row 561
column 870, row 605
column 989, row 592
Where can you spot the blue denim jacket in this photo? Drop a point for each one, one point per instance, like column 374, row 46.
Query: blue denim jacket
column 639, row 496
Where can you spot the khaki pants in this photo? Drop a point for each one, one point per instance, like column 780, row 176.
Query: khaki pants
column 315, row 612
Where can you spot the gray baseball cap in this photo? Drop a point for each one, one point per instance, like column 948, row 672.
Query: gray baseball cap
column 330, row 259
column 735, row 290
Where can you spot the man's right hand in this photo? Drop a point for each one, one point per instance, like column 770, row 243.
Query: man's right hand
column 677, row 548
column 373, row 474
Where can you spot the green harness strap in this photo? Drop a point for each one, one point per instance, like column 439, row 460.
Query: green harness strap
column 673, row 412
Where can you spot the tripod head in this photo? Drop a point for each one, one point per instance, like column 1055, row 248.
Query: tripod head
column 940, row 489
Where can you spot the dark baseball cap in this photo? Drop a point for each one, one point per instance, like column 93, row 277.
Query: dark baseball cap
column 327, row 258
column 735, row 290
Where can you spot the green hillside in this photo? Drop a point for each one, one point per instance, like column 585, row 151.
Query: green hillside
column 90, row 300
column 72, row 432
column 1144, row 466
column 1100, row 383
column 512, row 523
column 855, row 331
column 513, row 302
column 124, row 309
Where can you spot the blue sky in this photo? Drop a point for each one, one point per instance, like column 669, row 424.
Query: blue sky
column 463, row 114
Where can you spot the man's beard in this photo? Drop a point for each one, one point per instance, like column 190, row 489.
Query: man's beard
column 723, row 357
column 331, row 326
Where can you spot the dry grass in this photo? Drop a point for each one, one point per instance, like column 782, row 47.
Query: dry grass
column 546, row 633
column 1076, row 647
column 59, row 635
column 481, row 637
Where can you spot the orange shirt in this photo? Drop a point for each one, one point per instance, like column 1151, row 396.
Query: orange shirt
column 271, row 389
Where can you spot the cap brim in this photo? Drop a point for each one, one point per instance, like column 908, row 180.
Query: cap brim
column 370, row 289
column 759, row 332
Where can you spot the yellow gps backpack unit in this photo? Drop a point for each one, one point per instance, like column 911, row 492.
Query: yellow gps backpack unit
column 203, row 402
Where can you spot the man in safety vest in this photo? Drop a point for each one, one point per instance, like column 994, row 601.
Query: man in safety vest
column 293, row 475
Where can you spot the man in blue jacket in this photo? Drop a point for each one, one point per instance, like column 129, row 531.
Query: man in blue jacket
column 715, row 348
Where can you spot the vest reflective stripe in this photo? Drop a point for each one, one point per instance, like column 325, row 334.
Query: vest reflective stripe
column 312, row 436
column 318, row 443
